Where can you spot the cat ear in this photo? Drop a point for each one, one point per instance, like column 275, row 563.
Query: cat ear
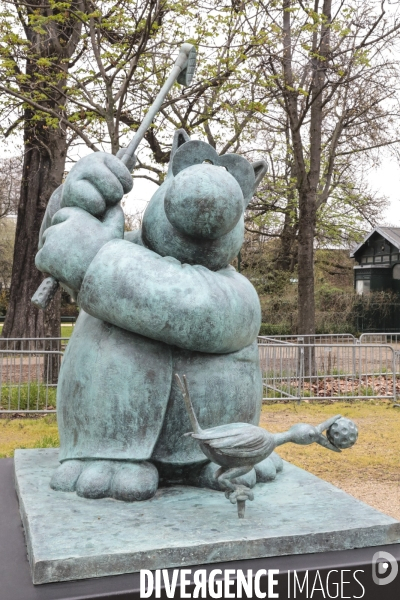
column 180, row 137
column 242, row 171
column 260, row 169
column 194, row 152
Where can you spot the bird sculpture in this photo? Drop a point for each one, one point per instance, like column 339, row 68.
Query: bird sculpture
column 237, row 447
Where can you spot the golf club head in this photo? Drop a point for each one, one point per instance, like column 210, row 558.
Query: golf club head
column 186, row 75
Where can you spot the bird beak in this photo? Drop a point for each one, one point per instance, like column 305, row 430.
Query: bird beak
column 326, row 424
column 323, row 441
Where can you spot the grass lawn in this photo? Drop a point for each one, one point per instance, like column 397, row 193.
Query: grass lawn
column 370, row 470
column 66, row 330
column 41, row 432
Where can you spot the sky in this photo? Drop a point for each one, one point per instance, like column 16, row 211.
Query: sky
column 138, row 198
column 386, row 180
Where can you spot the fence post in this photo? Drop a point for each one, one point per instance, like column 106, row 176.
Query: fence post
column 354, row 360
column 300, row 341
column 396, row 356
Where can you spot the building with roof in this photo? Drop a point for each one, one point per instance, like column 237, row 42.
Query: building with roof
column 378, row 261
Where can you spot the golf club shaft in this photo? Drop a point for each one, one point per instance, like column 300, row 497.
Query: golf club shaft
column 179, row 66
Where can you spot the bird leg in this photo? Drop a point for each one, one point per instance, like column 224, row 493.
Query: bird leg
column 235, row 492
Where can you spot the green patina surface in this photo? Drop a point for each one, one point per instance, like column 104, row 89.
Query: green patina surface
column 294, row 514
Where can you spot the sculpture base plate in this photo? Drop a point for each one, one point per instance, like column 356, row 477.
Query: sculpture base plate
column 74, row 538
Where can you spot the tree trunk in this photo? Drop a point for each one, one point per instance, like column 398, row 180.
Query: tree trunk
column 286, row 259
column 305, row 266
column 306, row 304
column 44, row 162
column 50, row 47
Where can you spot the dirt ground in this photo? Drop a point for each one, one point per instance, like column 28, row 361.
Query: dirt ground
column 370, row 471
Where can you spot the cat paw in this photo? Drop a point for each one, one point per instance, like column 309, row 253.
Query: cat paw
column 121, row 480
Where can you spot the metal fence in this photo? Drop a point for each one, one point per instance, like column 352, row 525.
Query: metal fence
column 317, row 371
column 323, row 338
column 316, row 367
column 393, row 339
column 28, row 380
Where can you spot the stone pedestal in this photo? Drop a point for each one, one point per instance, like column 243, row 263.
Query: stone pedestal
column 74, row 538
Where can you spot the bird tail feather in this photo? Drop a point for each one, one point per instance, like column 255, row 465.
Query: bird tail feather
column 188, row 402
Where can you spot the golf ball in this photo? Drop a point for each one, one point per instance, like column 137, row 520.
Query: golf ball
column 343, row 433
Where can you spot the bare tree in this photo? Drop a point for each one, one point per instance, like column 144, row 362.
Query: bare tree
column 7, row 235
column 333, row 67
column 351, row 208
column 10, row 182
